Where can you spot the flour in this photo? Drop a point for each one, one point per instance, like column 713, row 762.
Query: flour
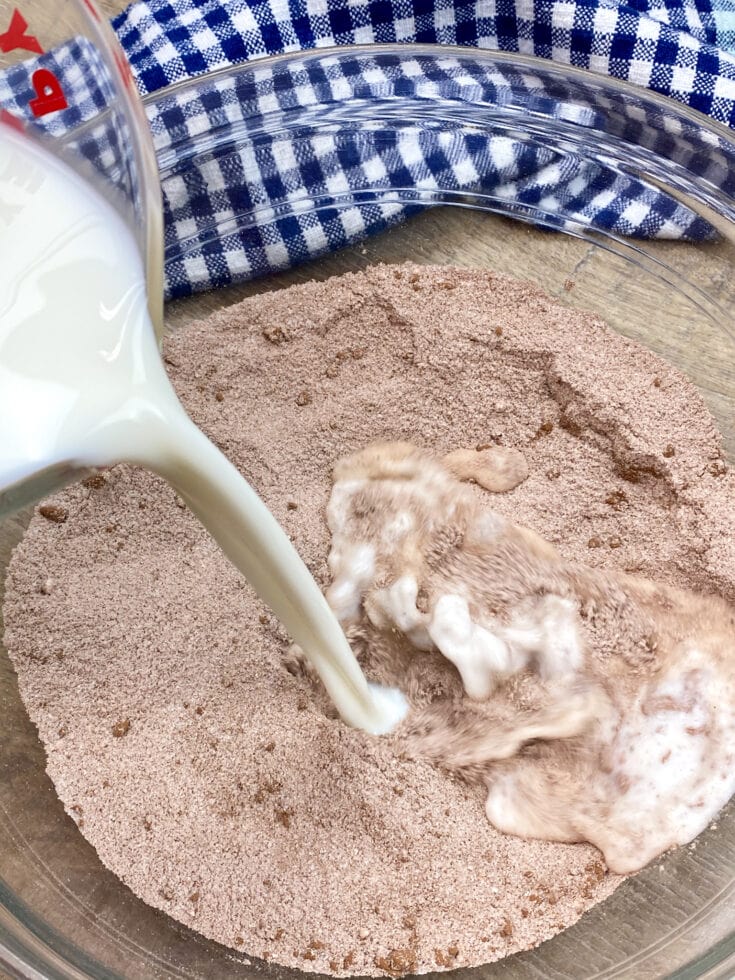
column 194, row 752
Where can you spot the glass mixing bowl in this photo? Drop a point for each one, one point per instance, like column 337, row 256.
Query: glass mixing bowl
column 62, row 914
column 64, row 76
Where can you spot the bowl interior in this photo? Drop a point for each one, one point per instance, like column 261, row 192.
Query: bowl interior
column 64, row 915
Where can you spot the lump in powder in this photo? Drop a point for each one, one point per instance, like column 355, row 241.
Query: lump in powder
column 631, row 751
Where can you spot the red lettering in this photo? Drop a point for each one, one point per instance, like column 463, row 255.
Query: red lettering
column 92, row 9
column 15, row 37
column 10, row 120
column 124, row 68
column 49, row 93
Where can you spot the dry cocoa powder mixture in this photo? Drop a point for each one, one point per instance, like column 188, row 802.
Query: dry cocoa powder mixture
column 208, row 775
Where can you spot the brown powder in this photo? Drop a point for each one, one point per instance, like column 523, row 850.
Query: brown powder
column 211, row 779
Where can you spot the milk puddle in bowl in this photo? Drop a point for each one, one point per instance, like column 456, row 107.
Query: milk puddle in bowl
column 82, row 384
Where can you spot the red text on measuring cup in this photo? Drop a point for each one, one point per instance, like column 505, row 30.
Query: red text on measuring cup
column 15, row 37
column 49, row 92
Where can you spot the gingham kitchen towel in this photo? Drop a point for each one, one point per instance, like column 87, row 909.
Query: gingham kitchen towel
column 679, row 48
column 270, row 166
column 676, row 47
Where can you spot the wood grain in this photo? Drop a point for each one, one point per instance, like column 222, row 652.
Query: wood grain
column 111, row 7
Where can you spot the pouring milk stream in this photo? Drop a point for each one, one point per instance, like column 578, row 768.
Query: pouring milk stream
column 82, row 384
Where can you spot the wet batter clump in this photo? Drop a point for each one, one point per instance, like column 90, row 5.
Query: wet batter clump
column 630, row 741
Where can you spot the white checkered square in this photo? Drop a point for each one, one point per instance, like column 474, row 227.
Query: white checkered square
column 605, row 20
column 682, row 79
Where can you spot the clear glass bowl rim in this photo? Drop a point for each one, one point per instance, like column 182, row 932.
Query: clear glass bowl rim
column 718, row 963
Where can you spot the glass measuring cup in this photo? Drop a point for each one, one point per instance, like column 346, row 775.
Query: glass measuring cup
column 65, row 86
column 82, row 384
column 64, row 74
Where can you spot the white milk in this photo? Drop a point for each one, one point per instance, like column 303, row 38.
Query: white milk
column 82, row 384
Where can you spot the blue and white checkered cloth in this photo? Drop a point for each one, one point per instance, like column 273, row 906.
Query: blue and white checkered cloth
column 679, row 48
column 277, row 163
